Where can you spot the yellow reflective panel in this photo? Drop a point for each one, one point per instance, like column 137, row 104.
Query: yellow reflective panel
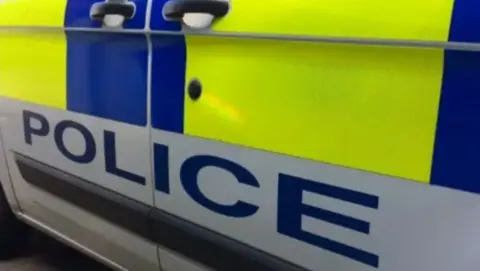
column 32, row 12
column 366, row 107
column 33, row 63
column 406, row 19
column 33, row 67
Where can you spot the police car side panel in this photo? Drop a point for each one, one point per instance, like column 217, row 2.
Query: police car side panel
column 257, row 202
column 316, row 215
column 104, row 237
column 349, row 105
column 299, row 86
column 361, row 120
column 5, row 181
column 61, row 95
column 31, row 60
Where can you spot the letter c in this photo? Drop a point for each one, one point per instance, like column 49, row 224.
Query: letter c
column 189, row 178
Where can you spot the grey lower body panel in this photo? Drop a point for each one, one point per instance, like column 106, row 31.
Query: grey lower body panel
column 195, row 242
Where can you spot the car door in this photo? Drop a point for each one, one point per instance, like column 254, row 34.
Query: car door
column 316, row 134
column 74, row 96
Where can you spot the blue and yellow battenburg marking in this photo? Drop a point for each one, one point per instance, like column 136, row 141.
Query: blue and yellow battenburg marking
column 91, row 73
column 367, row 107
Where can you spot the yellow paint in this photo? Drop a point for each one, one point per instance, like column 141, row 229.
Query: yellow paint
column 33, row 67
column 365, row 107
column 222, row 109
column 406, row 19
column 32, row 12
column 33, row 63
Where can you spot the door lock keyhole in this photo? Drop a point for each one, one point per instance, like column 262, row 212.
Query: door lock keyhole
column 194, row 89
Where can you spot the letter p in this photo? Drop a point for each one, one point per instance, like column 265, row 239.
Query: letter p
column 34, row 124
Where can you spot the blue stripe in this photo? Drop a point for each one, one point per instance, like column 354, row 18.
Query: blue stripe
column 78, row 14
column 168, row 74
column 106, row 72
column 465, row 21
column 456, row 158
column 107, row 76
column 157, row 22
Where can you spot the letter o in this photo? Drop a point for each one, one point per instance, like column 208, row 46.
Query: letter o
column 90, row 148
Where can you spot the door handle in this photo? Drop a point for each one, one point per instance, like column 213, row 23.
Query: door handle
column 100, row 10
column 176, row 9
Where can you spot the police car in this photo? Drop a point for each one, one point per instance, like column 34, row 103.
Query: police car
column 242, row 134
